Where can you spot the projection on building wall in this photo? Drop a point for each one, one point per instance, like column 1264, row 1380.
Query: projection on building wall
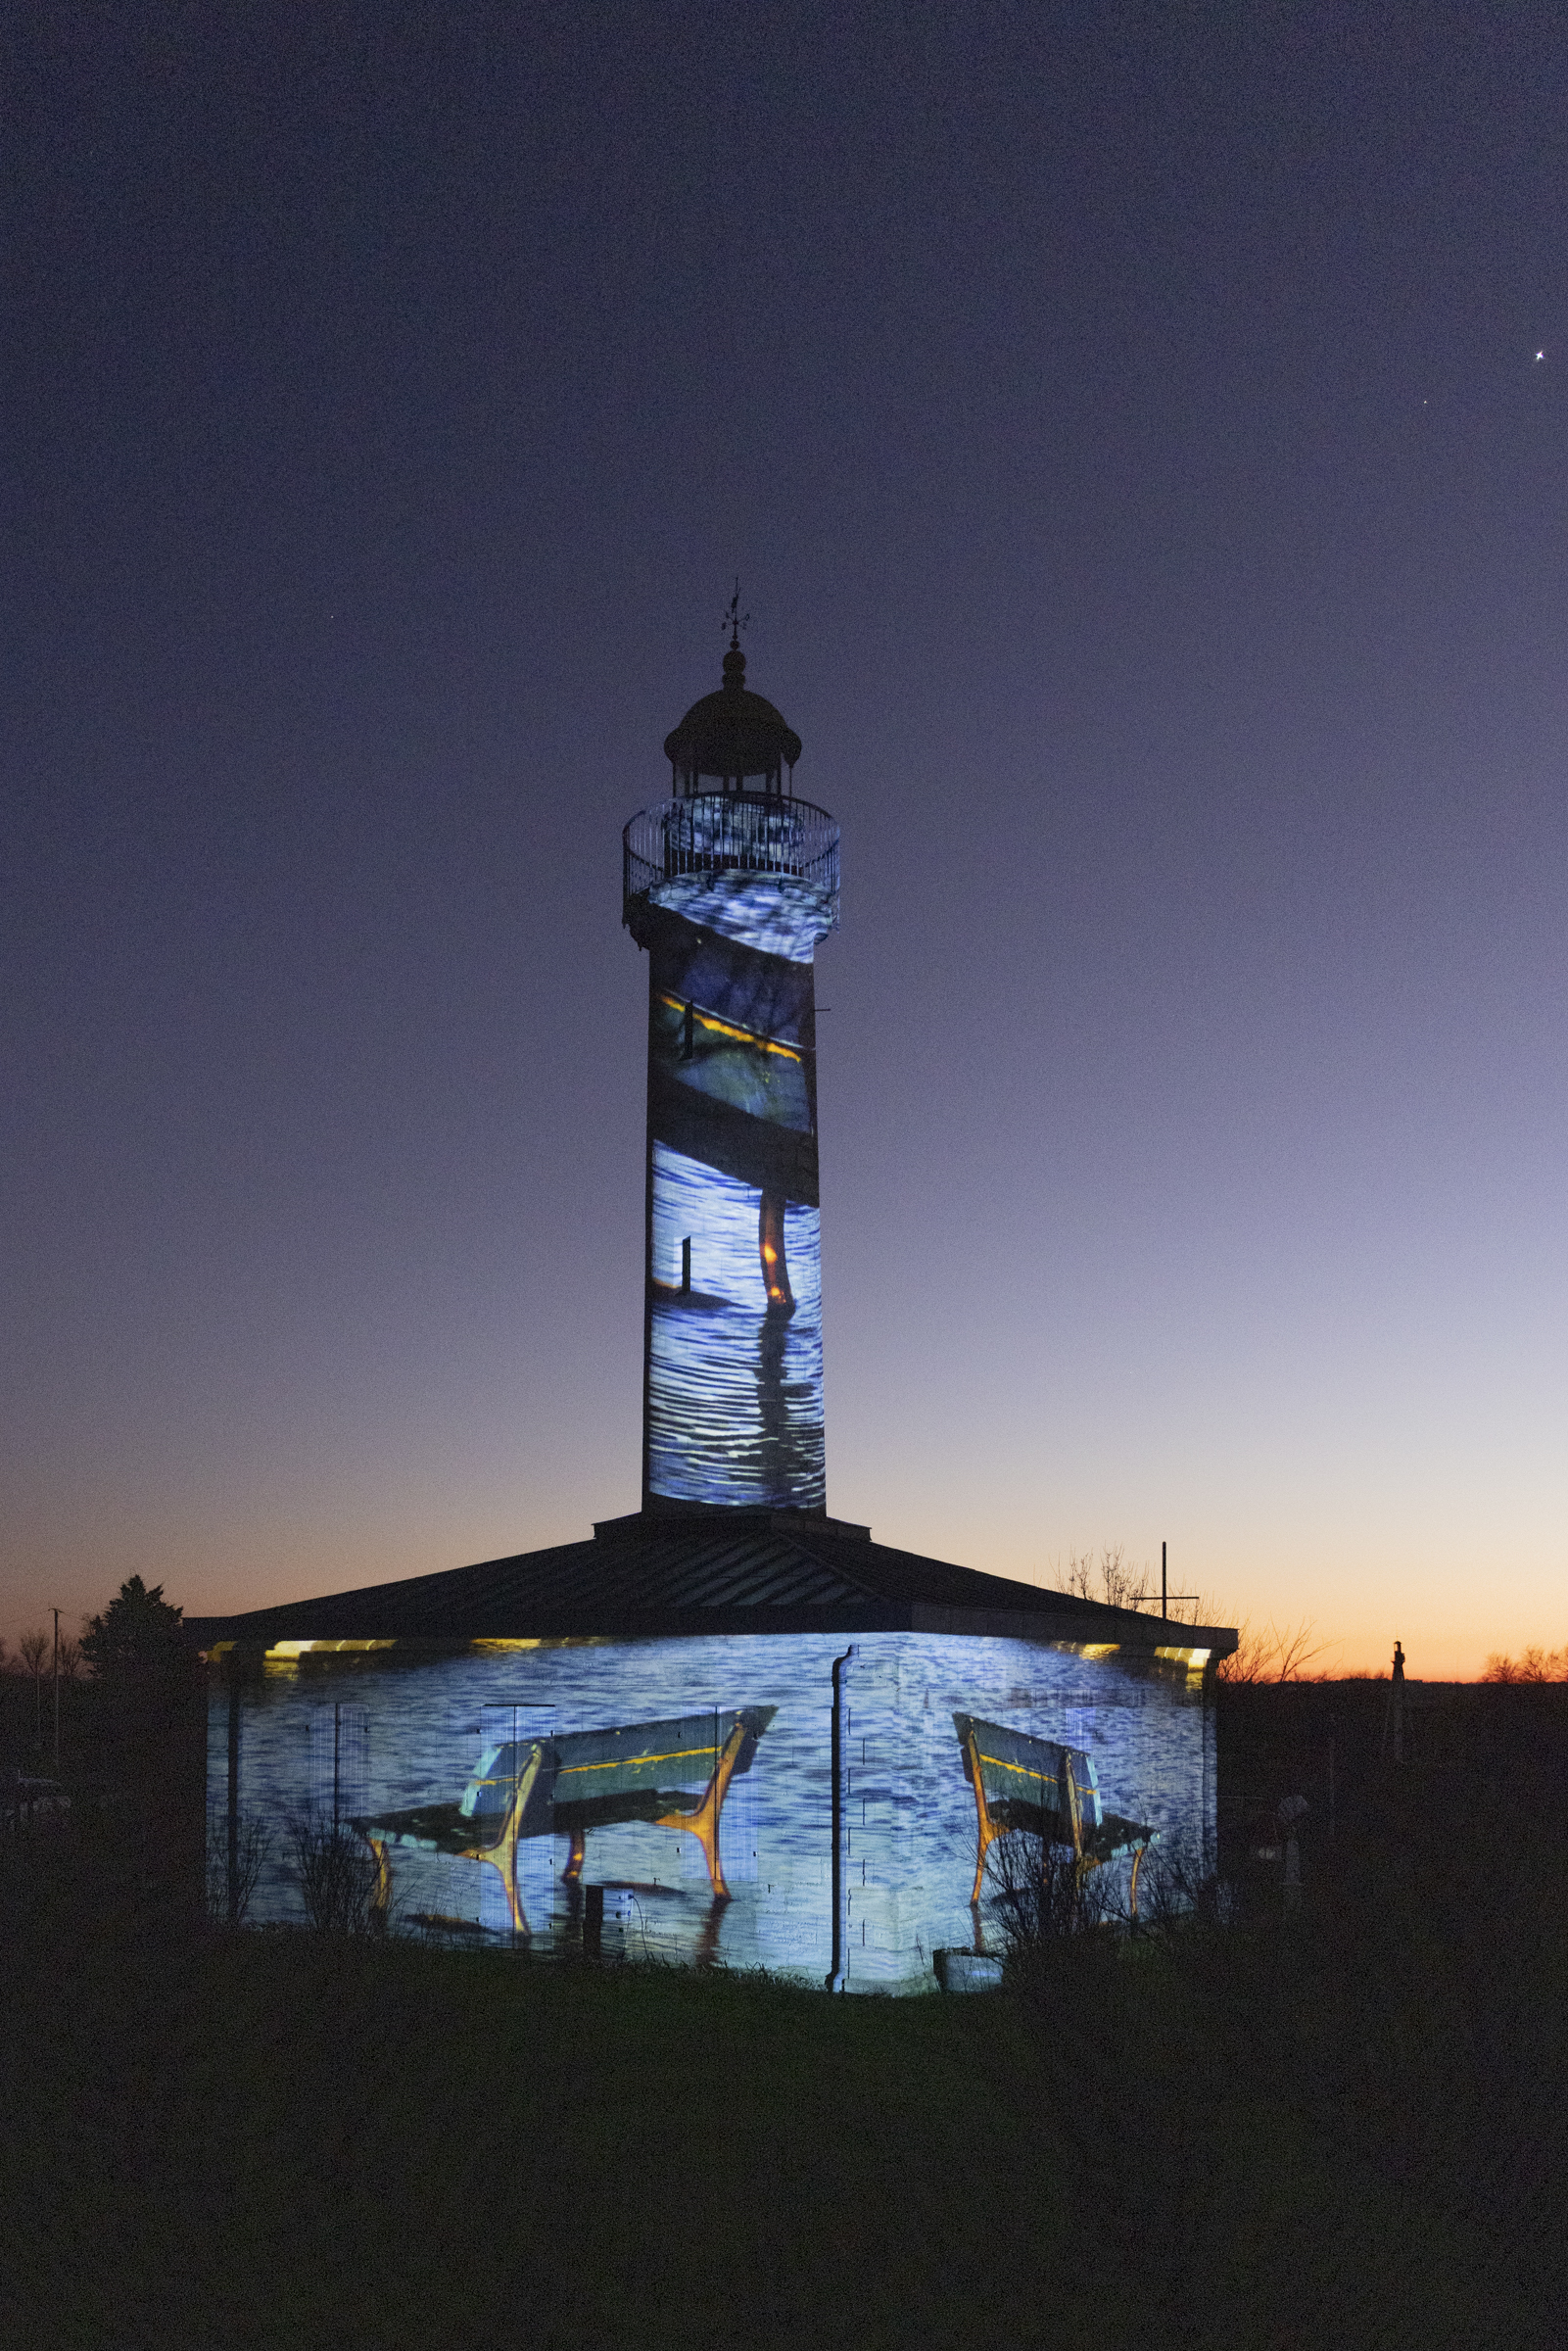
column 677, row 1797
column 733, row 1398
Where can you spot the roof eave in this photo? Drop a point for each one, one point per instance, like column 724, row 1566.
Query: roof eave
column 1071, row 1627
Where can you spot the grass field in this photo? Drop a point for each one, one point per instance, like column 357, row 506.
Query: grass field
column 1345, row 2127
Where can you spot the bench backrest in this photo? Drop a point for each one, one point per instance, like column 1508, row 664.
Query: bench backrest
column 577, row 1766
column 1036, row 1775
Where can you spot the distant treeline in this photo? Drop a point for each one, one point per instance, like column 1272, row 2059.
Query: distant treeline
column 1535, row 1666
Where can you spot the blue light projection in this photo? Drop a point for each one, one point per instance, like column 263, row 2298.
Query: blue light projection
column 732, row 1407
column 735, row 1404
column 681, row 1789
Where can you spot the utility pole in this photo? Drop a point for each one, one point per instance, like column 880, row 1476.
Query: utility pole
column 1164, row 1588
column 56, row 1615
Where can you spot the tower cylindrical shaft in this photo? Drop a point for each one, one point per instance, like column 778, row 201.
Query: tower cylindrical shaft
column 728, row 892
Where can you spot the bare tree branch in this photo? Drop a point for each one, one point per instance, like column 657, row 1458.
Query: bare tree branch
column 1272, row 1654
column 1111, row 1579
column 1536, row 1665
column 338, row 1875
column 252, row 1848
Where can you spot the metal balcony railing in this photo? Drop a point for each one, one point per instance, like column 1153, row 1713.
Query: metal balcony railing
column 729, row 832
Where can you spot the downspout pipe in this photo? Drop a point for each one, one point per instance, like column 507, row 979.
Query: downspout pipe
column 838, row 1975
column 233, row 1823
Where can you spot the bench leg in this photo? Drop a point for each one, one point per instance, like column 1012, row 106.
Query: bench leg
column 381, row 1898
column 502, row 1854
column 505, row 1868
column 989, row 1828
column 703, row 1823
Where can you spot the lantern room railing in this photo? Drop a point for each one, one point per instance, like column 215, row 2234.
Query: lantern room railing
column 729, row 832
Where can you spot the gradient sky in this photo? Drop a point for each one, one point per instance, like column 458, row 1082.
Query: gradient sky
column 1128, row 428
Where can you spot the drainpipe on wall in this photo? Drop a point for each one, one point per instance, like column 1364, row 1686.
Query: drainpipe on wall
column 839, row 1974
column 233, row 1663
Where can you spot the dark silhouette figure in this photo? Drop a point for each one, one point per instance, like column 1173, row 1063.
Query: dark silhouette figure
column 1394, row 1719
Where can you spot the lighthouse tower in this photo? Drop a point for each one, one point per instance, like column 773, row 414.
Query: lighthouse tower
column 729, row 886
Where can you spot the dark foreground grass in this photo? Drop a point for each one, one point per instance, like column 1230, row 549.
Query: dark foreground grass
column 1347, row 2128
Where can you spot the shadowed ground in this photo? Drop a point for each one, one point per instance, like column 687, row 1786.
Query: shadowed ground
column 1343, row 2126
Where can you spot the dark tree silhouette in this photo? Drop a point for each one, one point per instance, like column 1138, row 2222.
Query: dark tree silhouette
column 137, row 1642
column 146, row 1697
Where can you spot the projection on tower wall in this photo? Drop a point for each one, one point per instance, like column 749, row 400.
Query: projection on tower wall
column 729, row 886
column 734, row 1356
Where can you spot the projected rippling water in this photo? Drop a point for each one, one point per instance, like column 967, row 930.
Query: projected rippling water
column 734, row 1390
column 416, row 1726
column 733, row 1400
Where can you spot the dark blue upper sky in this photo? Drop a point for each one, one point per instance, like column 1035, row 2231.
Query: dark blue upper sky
column 1127, row 427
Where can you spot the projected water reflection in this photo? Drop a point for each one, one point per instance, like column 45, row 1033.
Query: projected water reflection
column 734, row 1374
column 678, row 1794
column 733, row 1411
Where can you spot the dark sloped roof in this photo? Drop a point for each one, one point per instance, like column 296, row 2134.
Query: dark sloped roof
column 754, row 1572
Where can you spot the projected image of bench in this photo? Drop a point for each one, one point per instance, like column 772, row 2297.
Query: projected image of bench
column 1046, row 1790
column 673, row 1774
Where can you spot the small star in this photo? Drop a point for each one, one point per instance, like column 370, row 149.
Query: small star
column 1541, row 355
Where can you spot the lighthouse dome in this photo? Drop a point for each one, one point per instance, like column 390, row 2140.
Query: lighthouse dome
column 732, row 735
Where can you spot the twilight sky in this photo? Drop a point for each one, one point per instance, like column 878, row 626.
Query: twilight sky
column 1142, row 436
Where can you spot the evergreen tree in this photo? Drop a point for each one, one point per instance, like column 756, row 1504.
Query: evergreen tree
column 147, row 1689
column 136, row 1643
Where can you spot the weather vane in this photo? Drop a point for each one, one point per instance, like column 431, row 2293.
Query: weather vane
column 734, row 621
